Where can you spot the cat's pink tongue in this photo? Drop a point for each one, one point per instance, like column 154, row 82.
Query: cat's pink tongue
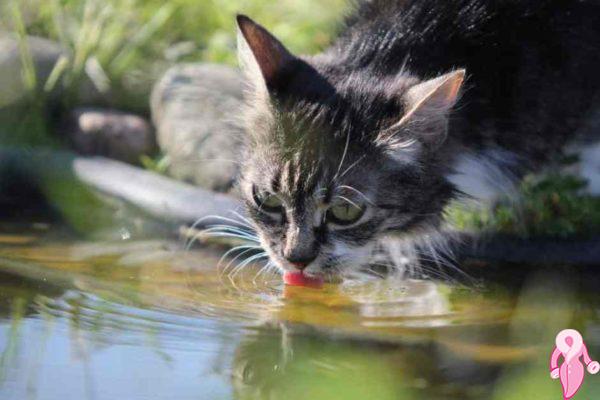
column 299, row 279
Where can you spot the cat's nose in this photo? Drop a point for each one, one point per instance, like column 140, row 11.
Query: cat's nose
column 300, row 262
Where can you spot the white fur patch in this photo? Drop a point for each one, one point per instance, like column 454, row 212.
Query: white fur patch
column 485, row 176
column 590, row 168
column 405, row 152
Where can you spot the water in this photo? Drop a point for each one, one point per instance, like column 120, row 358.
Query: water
column 146, row 320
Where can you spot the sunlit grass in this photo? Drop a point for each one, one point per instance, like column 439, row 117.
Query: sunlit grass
column 549, row 205
column 117, row 49
column 123, row 45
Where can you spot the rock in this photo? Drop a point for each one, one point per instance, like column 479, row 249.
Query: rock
column 109, row 133
column 103, row 198
column 194, row 108
column 44, row 54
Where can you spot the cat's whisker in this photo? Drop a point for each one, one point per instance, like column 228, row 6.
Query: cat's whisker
column 247, row 221
column 233, row 284
column 230, row 229
column 377, row 274
column 442, row 255
column 223, row 234
column 392, row 268
column 244, row 222
column 337, row 196
column 247, row 261
column 354, row 164
column 357, row 192
column 437, row 261
column 239, row 227
column 189, row 241
column 192, row 240
column 198, row 235
column 241, row 254
column 439, row 272
column 233, row 250
column 263, row 270
column 345, row 152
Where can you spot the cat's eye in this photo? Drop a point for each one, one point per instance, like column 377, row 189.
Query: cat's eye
column 344, row 213
column 267, row 202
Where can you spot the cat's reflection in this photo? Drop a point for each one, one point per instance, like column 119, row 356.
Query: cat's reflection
column 300, row 361
column 278, row 362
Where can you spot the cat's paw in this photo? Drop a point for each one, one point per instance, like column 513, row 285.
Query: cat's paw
column 593, row 367
column 554, row 374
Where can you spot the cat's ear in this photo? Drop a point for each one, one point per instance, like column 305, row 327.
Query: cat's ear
column 425, row 122
column 262, row 57
column 427, row 106
column 436, row 95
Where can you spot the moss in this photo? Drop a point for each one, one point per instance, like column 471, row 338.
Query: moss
column 553, row 205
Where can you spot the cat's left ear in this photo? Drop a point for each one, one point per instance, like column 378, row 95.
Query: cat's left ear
column 427, row 106
column 262, row 57
column 436, row 95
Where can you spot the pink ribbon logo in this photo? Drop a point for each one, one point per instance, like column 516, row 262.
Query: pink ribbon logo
column 570, row 345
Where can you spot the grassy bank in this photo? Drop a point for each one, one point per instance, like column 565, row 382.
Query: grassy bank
column 123, row 45
column 550, row 205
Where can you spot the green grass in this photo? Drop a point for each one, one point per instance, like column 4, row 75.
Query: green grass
column 124, row 45
column 552, row 205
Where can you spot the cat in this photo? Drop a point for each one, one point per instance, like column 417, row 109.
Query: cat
column 354, row 152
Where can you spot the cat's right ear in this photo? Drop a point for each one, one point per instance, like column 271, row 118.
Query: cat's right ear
column 262, row 57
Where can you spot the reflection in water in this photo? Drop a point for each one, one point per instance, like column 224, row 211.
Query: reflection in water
column 382, row 301
column 142, row 320
column 276, row 364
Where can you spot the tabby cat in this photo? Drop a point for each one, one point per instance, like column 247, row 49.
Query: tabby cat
column 354, row 152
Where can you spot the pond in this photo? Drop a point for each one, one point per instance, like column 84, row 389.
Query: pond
column 135, row 319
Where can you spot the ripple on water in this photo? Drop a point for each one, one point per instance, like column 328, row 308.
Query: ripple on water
column 159, row 276
column 162, row 312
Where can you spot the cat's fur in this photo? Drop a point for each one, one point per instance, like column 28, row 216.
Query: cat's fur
column 415, row 101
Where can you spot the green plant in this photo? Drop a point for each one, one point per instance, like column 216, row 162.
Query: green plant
column 123, row 45
column 120, row 47
column 550, row 205
column 159, row 164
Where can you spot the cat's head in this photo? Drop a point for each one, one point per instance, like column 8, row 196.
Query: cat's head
column 336, row 159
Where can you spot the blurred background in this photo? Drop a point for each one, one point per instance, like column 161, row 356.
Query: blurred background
column 77, row 77
column 111, row 53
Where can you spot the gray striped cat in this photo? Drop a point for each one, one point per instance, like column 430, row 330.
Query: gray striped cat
column 351, row 155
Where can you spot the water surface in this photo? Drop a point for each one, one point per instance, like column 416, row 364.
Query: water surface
column 146, row 320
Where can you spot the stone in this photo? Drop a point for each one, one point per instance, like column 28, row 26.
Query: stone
column 113, row 134
column 44, row 54
column 195, row 108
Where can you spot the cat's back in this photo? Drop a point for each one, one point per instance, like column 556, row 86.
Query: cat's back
column 435, row 34
column 532, row 66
